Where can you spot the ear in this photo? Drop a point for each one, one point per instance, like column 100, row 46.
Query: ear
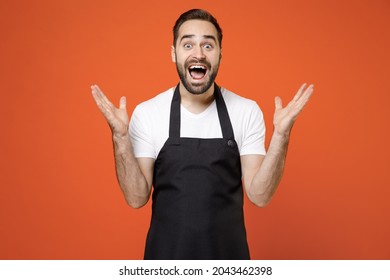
column 220, row 55
column 173, row 54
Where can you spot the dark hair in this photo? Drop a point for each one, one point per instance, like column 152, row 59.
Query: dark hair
column 196, row 14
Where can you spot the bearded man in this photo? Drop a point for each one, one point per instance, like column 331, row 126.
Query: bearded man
column 198, row 146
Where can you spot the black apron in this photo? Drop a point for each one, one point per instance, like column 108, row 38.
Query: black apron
column 197, row 210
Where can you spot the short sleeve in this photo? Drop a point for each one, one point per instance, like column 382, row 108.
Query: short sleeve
column 140, row 135
column 254, row 133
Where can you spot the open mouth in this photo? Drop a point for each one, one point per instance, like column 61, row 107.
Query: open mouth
column 197, row 72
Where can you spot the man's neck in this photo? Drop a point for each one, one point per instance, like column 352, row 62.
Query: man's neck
column 196, row 103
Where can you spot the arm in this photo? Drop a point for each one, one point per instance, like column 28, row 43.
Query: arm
column 262, row 174
column 134, row 175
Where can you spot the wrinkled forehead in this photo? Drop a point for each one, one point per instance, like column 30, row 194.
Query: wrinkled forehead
column 198, row 30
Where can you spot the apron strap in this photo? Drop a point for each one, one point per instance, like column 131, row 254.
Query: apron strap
column 223, row 115
column 174, row 120
column 224, row 119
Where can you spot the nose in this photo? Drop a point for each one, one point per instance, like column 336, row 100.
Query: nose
column 199, row 53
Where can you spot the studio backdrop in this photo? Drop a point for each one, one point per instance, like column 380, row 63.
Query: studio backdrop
column 59, row 198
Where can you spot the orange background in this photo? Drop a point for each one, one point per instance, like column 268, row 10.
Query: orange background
column 59, row 198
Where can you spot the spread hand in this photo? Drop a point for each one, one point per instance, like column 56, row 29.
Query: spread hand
column 117, row 118
column 284, row 118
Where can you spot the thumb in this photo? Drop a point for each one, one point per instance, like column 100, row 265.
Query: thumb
column 278, row 103
column 122, row 102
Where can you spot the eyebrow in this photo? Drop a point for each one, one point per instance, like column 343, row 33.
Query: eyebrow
column 204, row 36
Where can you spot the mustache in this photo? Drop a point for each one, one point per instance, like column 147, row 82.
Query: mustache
column 197, row 61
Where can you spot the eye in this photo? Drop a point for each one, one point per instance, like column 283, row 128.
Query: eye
column 187, row 46
column 208, row 46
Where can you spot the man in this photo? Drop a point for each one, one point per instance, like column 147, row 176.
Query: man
column 195, row 144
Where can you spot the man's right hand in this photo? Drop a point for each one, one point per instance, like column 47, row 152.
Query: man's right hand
column 135, row 175
column 117, row 118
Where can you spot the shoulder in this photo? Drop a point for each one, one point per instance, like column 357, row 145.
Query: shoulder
column 238, row 103
column 154, row 111
column 161, row 100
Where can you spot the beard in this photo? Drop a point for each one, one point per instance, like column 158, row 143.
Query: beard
column 196, row 88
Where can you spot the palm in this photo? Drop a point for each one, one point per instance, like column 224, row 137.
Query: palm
column 117, row 118
column 284, row 118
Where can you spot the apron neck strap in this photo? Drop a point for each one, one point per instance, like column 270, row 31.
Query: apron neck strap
column 223, row 115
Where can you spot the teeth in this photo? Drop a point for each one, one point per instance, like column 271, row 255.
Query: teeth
column 197, row 67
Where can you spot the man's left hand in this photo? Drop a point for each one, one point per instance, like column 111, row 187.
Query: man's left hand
column 284, row 118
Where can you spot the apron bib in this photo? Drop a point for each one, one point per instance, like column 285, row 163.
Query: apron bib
column 197, row 210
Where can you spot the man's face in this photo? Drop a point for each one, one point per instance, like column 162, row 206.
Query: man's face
column 197, row 55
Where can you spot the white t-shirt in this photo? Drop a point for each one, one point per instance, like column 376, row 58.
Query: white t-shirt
column 149, row 124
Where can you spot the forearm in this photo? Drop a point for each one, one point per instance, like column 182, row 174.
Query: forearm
column 134, row 186
column 267, row 178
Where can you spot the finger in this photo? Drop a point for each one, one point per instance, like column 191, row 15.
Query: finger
column 96, row 93
column 101, row 99
column 100, row 94
column 96, row 96
column 301, row 103
column 299, row 92
column 122, row 103
column 104, row 105
column 278, row 103
column 307, row 93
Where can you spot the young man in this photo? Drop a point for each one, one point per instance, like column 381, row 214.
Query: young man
column 196, row 143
